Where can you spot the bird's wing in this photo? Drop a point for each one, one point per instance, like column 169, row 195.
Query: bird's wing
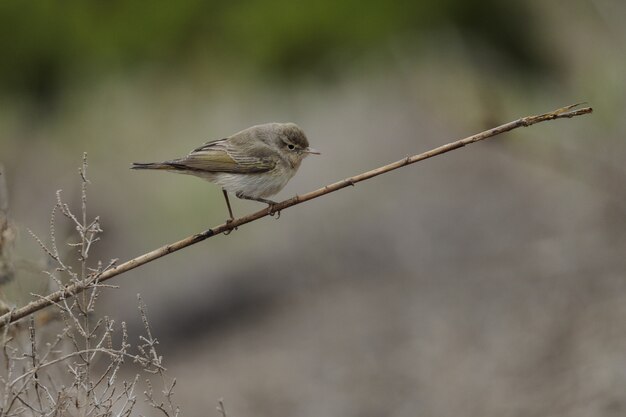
column 228, row 155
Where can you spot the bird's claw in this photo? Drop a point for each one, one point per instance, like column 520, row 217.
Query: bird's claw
column 227, row 232
column 274, row 213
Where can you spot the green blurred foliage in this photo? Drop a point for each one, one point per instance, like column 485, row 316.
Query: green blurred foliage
column 48, row 43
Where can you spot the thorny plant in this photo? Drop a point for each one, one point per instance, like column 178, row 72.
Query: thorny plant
column 77, row 371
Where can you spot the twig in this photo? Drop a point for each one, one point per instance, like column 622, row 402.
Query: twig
column 78, row 287
column 220, row 408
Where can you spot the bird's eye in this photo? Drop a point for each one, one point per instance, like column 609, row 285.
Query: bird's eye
column 290, row 146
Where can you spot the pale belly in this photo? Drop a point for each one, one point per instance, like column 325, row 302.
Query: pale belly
column 251, row 185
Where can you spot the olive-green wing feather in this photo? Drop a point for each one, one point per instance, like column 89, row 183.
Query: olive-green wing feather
column 231, row 155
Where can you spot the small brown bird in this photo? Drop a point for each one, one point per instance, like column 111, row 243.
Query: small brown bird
column 252, row 164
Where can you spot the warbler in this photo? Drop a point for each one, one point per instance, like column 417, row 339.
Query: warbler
column 252, row 164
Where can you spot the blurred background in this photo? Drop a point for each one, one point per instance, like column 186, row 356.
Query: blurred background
column 486, row 282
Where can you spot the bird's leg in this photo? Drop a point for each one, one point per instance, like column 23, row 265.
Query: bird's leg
column 270, row 203
column 259, row 199
column 230, row 211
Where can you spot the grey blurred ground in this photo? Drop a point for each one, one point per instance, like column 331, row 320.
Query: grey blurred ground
column 487, row 282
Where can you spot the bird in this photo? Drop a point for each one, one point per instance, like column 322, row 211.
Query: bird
column 252, row 164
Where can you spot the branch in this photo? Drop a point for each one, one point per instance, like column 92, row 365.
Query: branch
column 78, row 287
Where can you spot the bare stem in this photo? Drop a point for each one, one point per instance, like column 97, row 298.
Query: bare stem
column 80, row 286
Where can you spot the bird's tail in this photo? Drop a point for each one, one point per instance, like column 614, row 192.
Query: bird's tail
column 150, row 165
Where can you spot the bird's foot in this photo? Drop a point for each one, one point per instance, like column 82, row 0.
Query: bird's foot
column 272, row 211
column 229, row 221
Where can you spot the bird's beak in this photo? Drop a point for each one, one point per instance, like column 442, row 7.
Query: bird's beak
column 312, row 151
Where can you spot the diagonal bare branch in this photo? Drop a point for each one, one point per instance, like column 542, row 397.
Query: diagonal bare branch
column 79, row 286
